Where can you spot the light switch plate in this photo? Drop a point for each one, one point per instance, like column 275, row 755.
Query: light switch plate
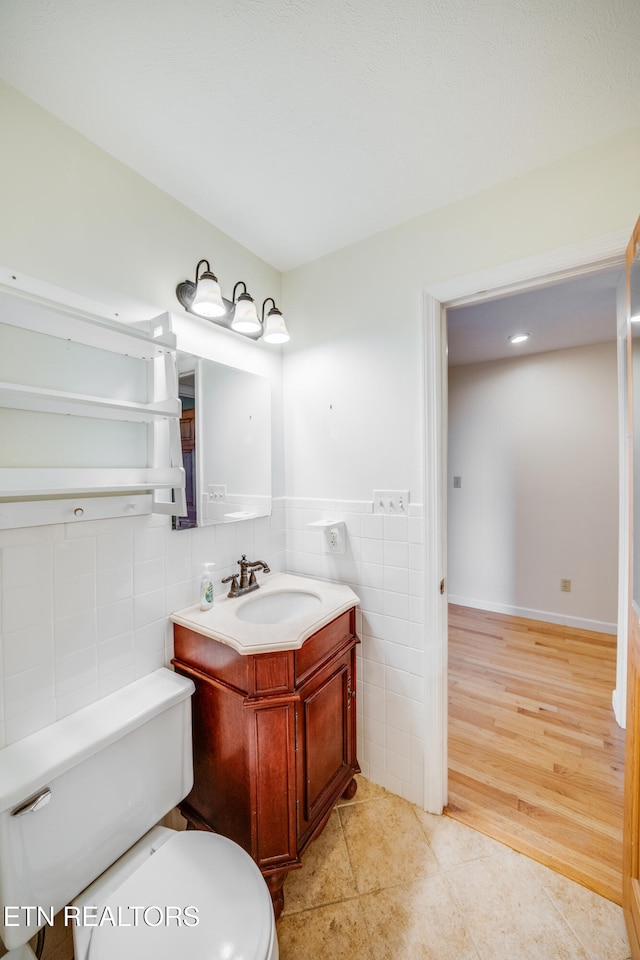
column 391, row 502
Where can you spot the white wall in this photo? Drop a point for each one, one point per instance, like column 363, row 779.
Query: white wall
column 534, row 441
column 74, row 217
column 352, row 378
column 353, row 397
column 83, row 607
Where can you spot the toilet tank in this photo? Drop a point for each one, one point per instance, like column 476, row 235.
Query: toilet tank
column 99, row 779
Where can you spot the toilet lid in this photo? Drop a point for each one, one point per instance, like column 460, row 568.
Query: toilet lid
column 198, row 896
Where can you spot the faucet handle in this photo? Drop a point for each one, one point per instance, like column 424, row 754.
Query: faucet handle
column 233, row 579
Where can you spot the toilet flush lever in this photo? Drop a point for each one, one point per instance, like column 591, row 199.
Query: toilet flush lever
column 36, row 802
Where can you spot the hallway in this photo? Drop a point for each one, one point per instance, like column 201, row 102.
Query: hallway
column 535, row 755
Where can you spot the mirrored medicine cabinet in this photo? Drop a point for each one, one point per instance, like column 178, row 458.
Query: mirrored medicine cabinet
column 225, row 431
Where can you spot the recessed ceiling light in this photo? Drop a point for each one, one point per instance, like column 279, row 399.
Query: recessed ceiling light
column 518, row 338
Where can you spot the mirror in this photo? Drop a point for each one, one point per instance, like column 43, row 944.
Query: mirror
column 226, row 443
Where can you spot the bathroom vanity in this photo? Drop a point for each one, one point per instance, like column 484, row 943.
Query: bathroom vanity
column 274, row 716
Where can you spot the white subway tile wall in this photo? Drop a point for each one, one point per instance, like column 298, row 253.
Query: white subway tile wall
column 383, row 565
column 83, row 606
column 83, row 612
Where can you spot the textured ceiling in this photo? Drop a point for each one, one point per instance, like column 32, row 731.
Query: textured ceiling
column 567, row 314
column 299, row 126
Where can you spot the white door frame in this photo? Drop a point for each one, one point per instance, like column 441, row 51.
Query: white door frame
column 540, row 270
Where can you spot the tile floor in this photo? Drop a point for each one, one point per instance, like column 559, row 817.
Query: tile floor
column 386, row 881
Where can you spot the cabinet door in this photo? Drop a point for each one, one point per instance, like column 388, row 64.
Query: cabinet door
column 326, row 741
column 273, row 831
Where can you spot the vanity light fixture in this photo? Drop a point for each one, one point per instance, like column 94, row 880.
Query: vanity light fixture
column 275, row 330
column 518, row 338
column 203, row 298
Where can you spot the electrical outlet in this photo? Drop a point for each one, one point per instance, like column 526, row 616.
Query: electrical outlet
column 335, row 538
column 565, row 586
column 457, row 482
column 217, row 491
column 391, row 502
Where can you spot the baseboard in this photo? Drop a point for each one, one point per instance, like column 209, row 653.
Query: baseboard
column 581, row 623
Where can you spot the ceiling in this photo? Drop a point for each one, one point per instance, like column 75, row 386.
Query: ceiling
column 300, row 126
column 567, row 314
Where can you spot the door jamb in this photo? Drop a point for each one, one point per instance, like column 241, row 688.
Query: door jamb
column 540, row 270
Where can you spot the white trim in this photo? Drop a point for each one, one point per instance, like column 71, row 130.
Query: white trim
column 434, row 556
column 619, row 709
column 546, row 616
column 619, row 698
column 538, row 270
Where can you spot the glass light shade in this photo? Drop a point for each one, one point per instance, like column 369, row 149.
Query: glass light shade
column 207, row 300
column 275, row 330
column 245, row 317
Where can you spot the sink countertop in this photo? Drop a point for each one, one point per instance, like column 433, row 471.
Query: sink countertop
column 221, row 623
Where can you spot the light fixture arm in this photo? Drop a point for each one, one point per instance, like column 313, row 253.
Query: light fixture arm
column 208, row 270
column 240, row 283
column 264, row 305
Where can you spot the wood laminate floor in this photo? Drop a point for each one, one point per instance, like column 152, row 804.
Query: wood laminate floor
column 535, row 755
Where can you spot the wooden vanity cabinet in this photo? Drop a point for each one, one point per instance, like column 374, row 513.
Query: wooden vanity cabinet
column 274, row 741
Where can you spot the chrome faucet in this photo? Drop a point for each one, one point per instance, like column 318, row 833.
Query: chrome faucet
column 248, row 580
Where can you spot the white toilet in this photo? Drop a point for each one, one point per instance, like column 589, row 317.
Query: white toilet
column 78, row 805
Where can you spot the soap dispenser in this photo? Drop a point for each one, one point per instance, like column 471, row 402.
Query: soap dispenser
column 206, row 586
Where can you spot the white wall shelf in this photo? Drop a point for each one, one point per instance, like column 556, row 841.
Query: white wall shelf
column 37, row 513
column 156, row 380
column 19, row 396
column 143, row 340
column 51, row 481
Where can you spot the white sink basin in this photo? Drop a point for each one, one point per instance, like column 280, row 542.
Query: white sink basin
column 281, row 615
column 278, row 607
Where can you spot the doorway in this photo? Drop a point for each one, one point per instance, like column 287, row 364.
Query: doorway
column 538, row 270
column 532, row 486
column 535, row 757
column 587, row 268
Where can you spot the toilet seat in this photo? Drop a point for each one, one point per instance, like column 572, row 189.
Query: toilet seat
column 192, row 869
